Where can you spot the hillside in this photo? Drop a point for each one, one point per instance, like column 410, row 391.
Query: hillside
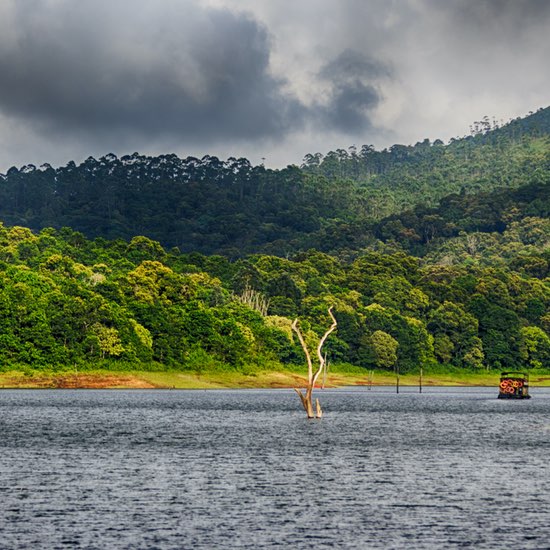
column 162, row 263
column 233, row 208
column 67, row 302
column 421, row 229
column 402, row 176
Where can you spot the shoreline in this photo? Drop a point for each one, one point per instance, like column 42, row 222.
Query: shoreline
column 239, row 380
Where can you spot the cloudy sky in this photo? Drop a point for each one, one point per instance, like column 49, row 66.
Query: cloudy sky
column 272, row 79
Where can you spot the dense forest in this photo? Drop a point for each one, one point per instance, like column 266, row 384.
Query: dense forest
column 66, row 300
column 339, row 201
column 431, row 255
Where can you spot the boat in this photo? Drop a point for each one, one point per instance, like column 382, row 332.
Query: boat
column 514, row 385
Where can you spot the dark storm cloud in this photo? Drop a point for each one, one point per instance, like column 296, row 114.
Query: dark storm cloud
column 260, row 79
column 351, row 64
column 97, row 68
column 349, row 107
column 354, row 93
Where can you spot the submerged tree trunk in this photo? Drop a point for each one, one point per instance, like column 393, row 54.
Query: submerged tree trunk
column 307, row 397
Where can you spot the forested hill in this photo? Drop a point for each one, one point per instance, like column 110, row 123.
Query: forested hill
column 441, row 258
column 331, row 202
column 207, row 205
column 68, row 302
column 400, row 177
column 421, row 228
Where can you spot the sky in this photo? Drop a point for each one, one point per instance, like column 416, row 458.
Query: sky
column 270, row 80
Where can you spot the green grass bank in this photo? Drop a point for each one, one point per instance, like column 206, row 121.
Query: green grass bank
column 244, row 379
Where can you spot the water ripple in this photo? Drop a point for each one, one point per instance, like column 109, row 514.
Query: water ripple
column 245, row 469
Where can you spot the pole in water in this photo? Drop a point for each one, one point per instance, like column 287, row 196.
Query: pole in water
column 397, row 381
column 325, row 370
column 420, row 381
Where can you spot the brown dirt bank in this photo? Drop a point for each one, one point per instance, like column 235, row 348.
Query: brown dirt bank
column 233, row 379
column 75, row 381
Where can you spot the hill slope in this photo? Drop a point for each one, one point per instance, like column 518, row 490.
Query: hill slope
column 232, row 207
column 66, row 301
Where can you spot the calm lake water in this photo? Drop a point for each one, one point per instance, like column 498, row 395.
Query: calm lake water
column 245, row 469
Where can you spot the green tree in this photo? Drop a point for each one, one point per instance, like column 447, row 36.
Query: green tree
column 105, row 340
column 534, row 347
column 383, row 349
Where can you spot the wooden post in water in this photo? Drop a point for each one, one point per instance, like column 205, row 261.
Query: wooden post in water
column 420, row 381
column 397, row 379
column 325, row 371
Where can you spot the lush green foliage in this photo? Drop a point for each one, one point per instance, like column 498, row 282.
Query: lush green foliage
column 66, row 300
column 397, row 178
column 332, row 203
column 423, row 229
column 464, row 284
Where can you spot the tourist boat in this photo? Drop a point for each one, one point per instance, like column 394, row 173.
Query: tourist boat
column 514, row 385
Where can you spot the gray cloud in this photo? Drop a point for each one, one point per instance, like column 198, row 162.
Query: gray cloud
column 351, row 64
column 353, row 77
column 518, row 13
column 197, row 73
column 260, row 79
column 349, row 107
column 106, row 72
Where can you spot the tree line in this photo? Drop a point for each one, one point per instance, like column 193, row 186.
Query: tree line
column 66, row 300
column 346, row 199
column 427, row 255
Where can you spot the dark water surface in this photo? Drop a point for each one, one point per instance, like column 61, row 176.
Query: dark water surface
column 245, row 469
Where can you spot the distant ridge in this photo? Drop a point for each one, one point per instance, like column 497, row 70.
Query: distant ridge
column 332, row 202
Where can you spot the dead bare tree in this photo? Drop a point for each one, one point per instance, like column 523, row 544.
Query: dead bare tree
column 253, row 299
column 307, row 399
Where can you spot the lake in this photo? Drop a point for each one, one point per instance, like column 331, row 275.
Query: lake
column 449, row 468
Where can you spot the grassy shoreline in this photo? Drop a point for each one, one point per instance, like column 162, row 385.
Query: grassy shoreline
column 106, row 379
